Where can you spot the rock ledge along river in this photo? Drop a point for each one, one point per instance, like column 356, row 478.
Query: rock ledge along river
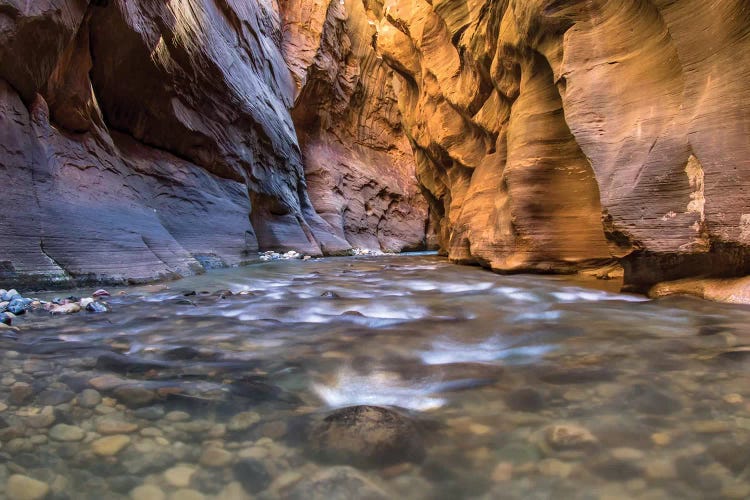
column 376, row 377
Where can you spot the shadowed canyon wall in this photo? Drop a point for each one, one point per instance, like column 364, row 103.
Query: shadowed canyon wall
column 141, row 140
column 147, row 139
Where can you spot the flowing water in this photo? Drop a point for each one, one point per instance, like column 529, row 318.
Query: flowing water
column 521, row 387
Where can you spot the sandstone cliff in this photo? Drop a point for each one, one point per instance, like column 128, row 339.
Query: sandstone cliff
column 552, row 134
column 141, row 140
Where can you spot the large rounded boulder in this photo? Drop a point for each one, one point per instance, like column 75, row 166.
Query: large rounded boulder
column 366, row 436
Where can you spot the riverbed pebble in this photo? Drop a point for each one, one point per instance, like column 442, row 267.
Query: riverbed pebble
column 20, row 487
column 110, row 445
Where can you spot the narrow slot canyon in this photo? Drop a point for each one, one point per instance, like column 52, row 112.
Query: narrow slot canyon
column 423, row 249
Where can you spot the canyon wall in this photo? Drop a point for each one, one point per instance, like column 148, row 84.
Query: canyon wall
column 142, row 140
column 552, row 135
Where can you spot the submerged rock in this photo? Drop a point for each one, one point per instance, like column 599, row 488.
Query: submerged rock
column 338, row 483
column 367, row 436
column 252, row 474
column 20, row 487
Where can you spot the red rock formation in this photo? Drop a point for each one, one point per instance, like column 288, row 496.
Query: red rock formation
column 547, row 136
column 359, row 165
column 543, row 127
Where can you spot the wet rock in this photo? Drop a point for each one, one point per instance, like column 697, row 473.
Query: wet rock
column 54, row 397
column 330, row 295
column 252, row 475
column 147, row 492
column 69, row 308
column 96, row 307
column 134, row 396
column 20, row 392
column 150, row 412
column 215, row 457
column 243, row 421
column 184, row 353
column 337, row 483
column 43, row 419
column 115, row 426
column 186, row 494
column 527, row 399
column 19, row 306
column 693, row 470
column 368, row 436
column 563, row 437
column 647, row 399
column 5, row 319
column 89, row 398
column 20, row 487
column 110, row 445
column 100, row 293
column 179, row 476
column 123, row 484
column 518, row 453
column 732, row 454
column 64, row 432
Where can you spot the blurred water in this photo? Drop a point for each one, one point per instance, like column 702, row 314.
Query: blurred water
column 492, row 360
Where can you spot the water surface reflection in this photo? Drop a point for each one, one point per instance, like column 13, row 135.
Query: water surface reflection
column 526, row 386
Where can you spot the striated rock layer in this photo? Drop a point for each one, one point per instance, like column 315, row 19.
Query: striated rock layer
column 358, row 163
column 150, row 139
column 142, row 140
column 554, row 135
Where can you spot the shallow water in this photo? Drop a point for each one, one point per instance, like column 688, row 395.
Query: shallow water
column 494, row 368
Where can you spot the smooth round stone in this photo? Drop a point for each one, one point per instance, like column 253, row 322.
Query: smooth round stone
column 110, row 445
column 366, row 436
column 20, row 392
column 54, row 397
column 149, row 412
column 151, row 432
column 179, row 476
column 147, row 492
column 628, row 454
column 243, row 421
column 115, row 426
column 89, row 398
column 43, row 419
column 215, row 457
column 569, row 436
column 177, row 416
column 256, row 452
column 186, row 494
column 710, row 427
column 233, row 491
column 555, row 468
column 252, row 474
column 134, row 396
column 20, row 487
column 64, row 432
column 38, row 439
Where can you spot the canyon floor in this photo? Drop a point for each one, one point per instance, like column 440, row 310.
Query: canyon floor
column 376, row 377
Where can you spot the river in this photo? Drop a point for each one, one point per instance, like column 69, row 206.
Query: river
column 519, row 387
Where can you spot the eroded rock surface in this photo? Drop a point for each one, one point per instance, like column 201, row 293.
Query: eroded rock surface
column 142, row 140
column 551, row 135
column 359, row 165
